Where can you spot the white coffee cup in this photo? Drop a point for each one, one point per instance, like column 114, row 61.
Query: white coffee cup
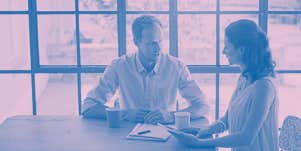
column 182, row 120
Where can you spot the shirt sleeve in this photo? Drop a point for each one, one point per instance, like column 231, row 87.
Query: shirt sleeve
column 105, row 88
column 189, row 90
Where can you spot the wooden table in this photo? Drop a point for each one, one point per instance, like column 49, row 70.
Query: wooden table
column 74, row 133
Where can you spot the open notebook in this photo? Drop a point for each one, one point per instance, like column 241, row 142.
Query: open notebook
column 155, row 133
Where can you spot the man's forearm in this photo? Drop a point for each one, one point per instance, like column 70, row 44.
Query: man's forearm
column 92, row 109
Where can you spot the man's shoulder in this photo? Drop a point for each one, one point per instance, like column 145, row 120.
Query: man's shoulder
column 172, row 61
column 124, row 59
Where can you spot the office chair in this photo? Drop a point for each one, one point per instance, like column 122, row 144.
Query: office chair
column 290, row 134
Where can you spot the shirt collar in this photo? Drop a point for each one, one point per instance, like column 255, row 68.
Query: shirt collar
column 141, row 68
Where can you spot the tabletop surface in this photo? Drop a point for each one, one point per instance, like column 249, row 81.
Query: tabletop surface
column 74, row 133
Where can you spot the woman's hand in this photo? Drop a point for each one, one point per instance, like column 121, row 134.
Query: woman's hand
column 200, row 133
column 188, row 140
column 204, row 133
column 191, row 130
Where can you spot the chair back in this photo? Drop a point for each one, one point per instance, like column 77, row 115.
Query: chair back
column 290, row 134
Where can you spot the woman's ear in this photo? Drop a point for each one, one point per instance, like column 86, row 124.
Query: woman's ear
column 244, row 53
column 241, row 50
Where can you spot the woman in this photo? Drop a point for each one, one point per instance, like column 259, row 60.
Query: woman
column 252, row 114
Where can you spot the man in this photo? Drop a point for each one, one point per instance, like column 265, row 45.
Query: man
column 148, row 81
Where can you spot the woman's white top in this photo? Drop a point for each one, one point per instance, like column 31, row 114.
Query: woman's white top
column 242, row 105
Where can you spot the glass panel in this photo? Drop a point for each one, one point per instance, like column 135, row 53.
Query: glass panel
column 98, row 39
column 57, row 42
column 15, row 95
column 225, row 21
column 90, row 5
column 284, row 5
column 89, row 81
column 8, row 5
column 14, row 39
column 197, row 43
column 196, row 5
column 57, row 94
column 289, row 86
column 131, row 47
column 206, row 83
column 241, row 5
column 228, row 84
column 142, row 5
column 56, row 5
column 285, row 33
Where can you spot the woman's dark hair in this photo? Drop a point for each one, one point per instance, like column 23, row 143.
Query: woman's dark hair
column 257, row 55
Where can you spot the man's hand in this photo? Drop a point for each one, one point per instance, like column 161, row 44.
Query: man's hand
column 135, row 115
column 158, row 116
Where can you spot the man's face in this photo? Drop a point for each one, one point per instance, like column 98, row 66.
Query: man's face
column 150, row 43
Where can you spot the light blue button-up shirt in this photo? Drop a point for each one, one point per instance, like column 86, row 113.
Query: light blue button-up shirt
column 140, row 89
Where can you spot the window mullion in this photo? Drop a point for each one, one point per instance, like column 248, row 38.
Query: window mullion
column 34, row 48
column 121, row 25
column 78, row 75
column 263, row 14
column 217, row 77
column 173, row 28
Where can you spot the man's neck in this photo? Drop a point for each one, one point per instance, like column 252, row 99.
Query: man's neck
column 147, row 64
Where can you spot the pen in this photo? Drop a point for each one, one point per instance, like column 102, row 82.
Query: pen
column 144, row 132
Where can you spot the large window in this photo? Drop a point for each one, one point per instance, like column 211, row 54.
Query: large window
column 53, row 52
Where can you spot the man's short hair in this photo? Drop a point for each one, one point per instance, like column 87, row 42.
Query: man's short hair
column 141, row 23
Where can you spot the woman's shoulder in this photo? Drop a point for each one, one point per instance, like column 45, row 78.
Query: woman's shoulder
column 265, row 84
column 267, row 80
